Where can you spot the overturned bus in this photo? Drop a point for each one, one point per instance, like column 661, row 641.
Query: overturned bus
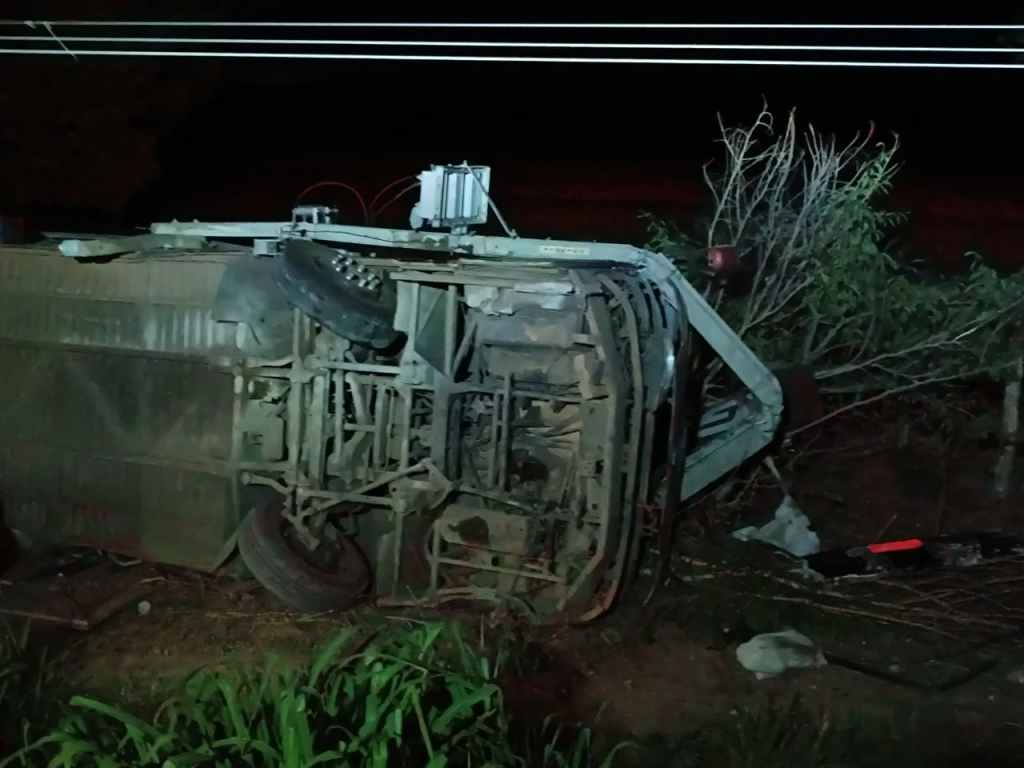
column 407, row 416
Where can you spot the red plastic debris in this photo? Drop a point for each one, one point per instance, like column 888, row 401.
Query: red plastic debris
column 895, row 546
column 723, row 259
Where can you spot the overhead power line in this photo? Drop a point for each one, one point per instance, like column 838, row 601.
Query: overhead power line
column 514, row 59
column 516, row 44
column 846, row 55
column 508, row 25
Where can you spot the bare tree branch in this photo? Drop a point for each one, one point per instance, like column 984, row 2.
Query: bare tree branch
column 924, row 381
column 800, row 209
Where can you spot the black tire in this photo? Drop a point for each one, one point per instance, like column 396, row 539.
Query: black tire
column 309, row 282
column 290, row 577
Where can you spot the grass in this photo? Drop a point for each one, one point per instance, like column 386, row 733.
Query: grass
column 417, row 695
column 411, row 694
column 29, row 682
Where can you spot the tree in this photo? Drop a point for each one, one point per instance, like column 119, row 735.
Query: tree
column 826, row 291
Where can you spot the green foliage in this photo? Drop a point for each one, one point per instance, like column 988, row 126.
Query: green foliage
column 419, row 696
column 897, row 330
column 804, row 220
column 807, row 218
column 29, row 685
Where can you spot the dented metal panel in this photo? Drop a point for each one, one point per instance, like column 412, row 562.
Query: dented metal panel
column 151, row 306
column 118, row 428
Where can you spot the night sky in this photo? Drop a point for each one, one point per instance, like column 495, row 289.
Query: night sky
column 576, row 150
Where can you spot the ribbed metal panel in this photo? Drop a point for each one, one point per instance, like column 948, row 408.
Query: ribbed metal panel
column 165, row 307
column 128, row 452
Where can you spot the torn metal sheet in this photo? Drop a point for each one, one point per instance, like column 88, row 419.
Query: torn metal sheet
column 249, row 294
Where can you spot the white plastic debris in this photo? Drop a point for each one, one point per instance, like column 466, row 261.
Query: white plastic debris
column 772, row 654
column 144, row 607
column 790, row 531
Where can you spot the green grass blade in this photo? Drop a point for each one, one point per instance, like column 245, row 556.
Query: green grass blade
column 329, row 654
column 325, row 757
column 238, row 723
column 463, row 706
column 28, row 749
column 244, row 746
column 186, row 760
column 612, row 756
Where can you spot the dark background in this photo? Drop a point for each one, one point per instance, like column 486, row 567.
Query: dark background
column 576, row 151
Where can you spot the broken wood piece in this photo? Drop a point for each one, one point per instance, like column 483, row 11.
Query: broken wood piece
column 67, row 621
column 94, row 617
column 112, row 605
column 39, row 615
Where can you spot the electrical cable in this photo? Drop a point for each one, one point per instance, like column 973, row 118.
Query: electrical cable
column 341, row 185
column 513, row 25
column 827, row 63
column 395, row 199
column 94, row 44
column 523, row 44
column 385, row 188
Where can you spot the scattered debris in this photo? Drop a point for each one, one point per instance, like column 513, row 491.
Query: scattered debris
column 113, row 604
column 772, row 654
column 74, row 562
column 789, row 531
column 963, row 550
column 48, row 618
column 68, row 612
column 611, row 636
column 894, row 674
column 123, row 562
column 144, row 607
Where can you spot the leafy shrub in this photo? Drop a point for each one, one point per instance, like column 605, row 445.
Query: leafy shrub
column 824, row 288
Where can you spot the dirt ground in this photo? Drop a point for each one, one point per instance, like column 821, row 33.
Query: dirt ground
column 670, row 668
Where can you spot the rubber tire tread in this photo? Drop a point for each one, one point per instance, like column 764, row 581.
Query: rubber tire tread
column 291, row 579
column 306, row 280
